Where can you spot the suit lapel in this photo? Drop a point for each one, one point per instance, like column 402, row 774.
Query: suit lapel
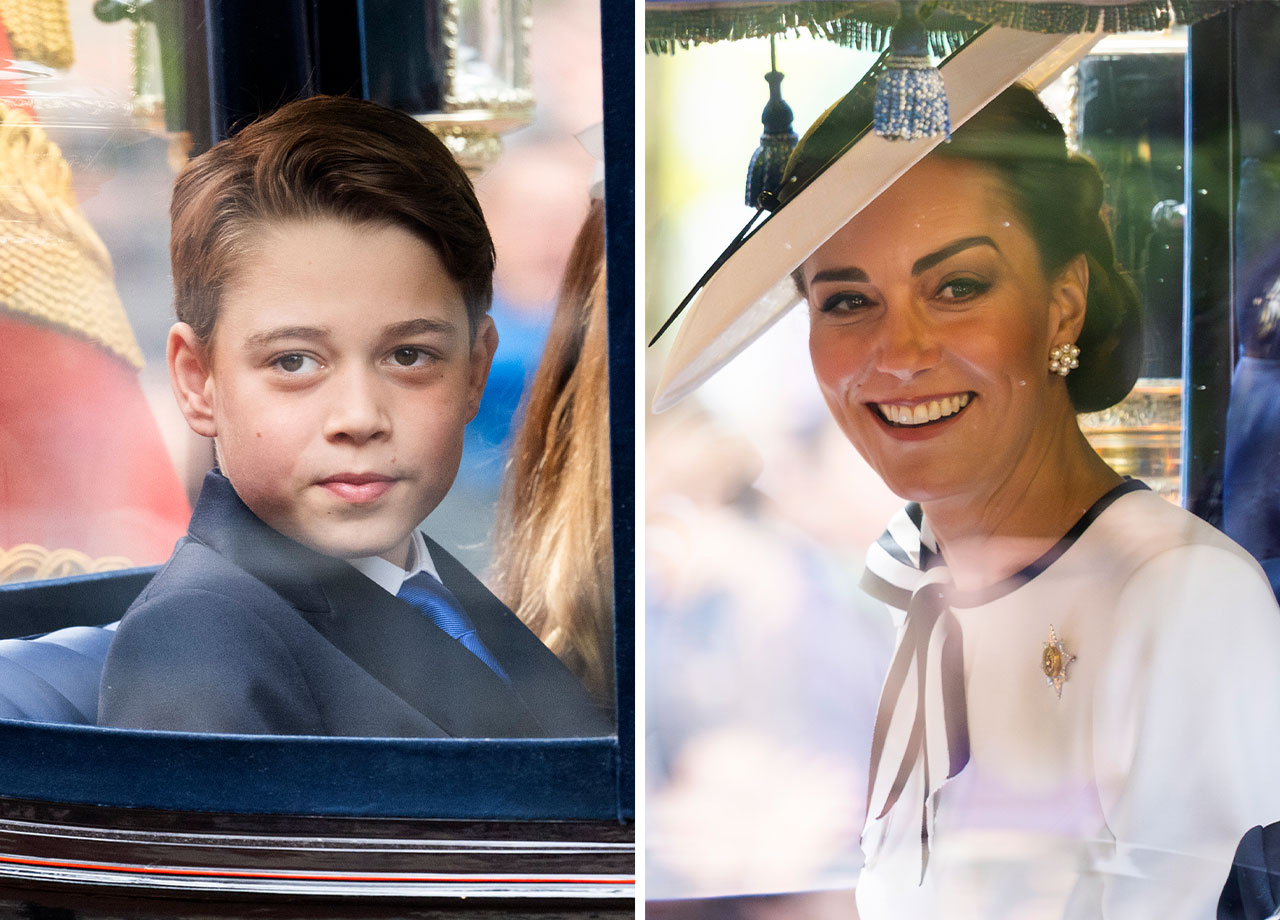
column 551, row 693
column 225, row 524
column 419, row 662
column 402, row 649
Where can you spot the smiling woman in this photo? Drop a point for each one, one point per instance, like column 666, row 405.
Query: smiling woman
column 1065, row 636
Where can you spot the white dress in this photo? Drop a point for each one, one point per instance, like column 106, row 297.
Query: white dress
column 1125, row 797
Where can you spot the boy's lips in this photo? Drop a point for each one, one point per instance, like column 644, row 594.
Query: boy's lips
column 358, row 487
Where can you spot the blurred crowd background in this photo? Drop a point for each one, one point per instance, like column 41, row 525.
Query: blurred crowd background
column 764, row 662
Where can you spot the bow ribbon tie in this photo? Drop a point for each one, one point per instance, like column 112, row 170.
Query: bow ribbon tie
column 921, row 721
column 429, row 595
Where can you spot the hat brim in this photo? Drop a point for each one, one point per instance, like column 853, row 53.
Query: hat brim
column 753, row 288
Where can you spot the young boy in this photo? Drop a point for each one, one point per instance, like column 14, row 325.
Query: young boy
column 332, row 274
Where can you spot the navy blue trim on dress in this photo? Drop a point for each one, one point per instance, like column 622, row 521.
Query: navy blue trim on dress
column 980, row 596
column 915, row 514
column 890, row 546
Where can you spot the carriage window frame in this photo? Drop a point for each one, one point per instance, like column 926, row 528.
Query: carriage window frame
column 1208, row 294
column 553, row 779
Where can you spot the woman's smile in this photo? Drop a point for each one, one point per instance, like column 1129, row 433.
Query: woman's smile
column 916, row 413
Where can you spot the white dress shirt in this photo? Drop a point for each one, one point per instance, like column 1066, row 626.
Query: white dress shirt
column 388, row 575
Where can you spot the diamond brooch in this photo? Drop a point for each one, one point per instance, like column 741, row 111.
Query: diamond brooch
column 1054, row 661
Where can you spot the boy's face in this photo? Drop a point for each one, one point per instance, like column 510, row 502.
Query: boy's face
column 339, row 377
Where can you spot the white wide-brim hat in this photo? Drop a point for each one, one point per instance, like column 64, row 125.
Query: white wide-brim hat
column 752, row 287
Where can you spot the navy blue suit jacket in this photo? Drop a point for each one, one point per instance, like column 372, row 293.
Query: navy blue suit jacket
column 245, row 630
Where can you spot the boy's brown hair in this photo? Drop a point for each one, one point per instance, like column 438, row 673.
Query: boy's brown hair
column 322, row 157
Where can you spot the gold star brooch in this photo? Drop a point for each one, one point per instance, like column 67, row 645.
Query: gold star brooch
column 1054, row 660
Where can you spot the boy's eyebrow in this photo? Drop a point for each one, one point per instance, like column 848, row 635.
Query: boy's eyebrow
column 409, row 327
column 421, row 326
column 270, row 336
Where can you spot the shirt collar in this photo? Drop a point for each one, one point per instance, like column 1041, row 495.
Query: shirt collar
column 388, row 575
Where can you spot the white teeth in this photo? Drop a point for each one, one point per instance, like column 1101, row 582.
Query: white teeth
column 921, row 413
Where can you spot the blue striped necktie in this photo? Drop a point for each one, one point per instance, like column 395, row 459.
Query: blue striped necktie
column 428, row 595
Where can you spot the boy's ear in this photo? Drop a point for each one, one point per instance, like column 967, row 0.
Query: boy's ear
column 190, row 377
column 1070, row 296
column 482, row 350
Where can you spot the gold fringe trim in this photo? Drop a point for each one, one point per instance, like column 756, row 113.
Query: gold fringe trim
column 1064, row 18
column 29, row 562
column 861, row 25
column 53, row 266
column 39, row 30
column 868, row 26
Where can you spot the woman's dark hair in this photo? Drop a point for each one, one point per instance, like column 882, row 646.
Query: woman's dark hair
column 1058, row 195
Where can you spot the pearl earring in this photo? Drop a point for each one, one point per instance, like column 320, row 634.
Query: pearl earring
column 1062, row 359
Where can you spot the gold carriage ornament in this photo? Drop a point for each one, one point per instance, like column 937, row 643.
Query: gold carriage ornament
column 487, row 90
column 1140, row 436
column 471, row 58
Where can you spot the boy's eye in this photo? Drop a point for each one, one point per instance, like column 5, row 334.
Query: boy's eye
column 409, row 356
column 294, row 363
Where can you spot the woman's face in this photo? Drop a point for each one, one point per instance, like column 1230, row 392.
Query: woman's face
column 931, row 324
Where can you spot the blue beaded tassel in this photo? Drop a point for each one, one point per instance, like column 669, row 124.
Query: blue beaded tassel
column 776, row 143
column 911, row 100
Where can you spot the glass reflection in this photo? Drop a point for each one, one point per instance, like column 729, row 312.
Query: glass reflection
column 105, row 117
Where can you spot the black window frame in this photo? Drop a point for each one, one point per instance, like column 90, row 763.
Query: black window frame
column 557, row 779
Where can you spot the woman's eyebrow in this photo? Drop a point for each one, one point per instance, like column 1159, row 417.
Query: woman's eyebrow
column 839, row 274
column 924, row 263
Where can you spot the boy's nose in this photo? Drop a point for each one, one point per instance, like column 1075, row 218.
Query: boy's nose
column 356, row 413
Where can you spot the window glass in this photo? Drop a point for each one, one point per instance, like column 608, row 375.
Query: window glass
column 765, row 659
column 98, row 469
column 1123, row 107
